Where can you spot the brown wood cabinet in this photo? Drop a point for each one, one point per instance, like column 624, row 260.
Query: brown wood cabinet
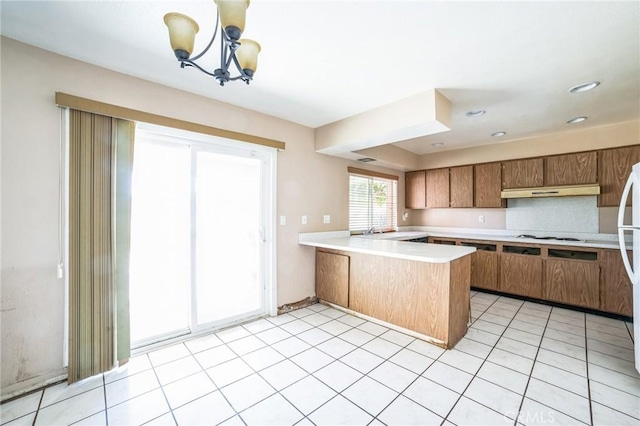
column 438, row 188
column 523, row 173
column 571, row 169
column 574, row 282
column 415, row 190
column 332, row 277
column 616, row 292
column 487, row 185
column 461, row 186
column 613, row 170
column 521, row 274
column 484, row 270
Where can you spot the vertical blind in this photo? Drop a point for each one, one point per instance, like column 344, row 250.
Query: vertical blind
column 373, row 200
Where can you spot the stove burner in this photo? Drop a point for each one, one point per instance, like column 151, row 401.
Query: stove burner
column 547, row 238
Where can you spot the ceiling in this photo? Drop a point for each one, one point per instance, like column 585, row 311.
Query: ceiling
column 324, row 61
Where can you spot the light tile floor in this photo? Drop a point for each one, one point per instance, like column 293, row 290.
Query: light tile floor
column 520, row 363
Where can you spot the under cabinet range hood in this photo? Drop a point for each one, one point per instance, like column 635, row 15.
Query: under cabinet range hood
column 552, row 191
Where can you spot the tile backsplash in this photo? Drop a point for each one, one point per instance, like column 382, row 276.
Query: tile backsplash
column 559, row 214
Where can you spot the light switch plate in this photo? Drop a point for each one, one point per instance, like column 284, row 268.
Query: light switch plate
column 304, row 220
column 481, row 218
column 326, row 218
column 283, row 220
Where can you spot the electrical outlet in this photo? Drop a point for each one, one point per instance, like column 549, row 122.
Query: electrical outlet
column 326, row 218
column 405, row 216
column 283, row 220
column 304, row 220
column 481, row 218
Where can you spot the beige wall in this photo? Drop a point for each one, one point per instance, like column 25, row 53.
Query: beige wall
column 32, row 305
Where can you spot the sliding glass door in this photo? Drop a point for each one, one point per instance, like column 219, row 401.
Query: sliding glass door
column 198, row 236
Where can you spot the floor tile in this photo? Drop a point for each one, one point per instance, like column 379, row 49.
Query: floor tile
column 336, row 347
column 273, row 335
column 63, row 391
column 188, row 389
column 174, row 370
column 565, row 337
column 351, row 320
column 613, row 363
column 536, row 309
column 412, row 361
column 130, row 387
column 307, row 422
column 601, row 320
column 616, row 351
column 603, row 415
column 448, row 376
column 98, row 419
column 202, row 343
column 19, row 407
column 338, row 376
column 356, row 337
column 496, row 319
column 211, row 409
column 619, row 330
column 370, row 395
column 623, row 342
column 308, row 394
column 283, row 374
column 296, row 327
column 234, row 333
column 214, row 356
column 382, row 348
column 340, row 411
column 164, row 420
column 372, row 328
column 318, row 307
column 564, row 348
column 246, row 392
column 362, row 360
column 504, row 377
column 567, row 363
column 534, row 413
column 316, row 319
column 258, row 326
column 562, row 400
column 138, row 410
column 333, row 313
column 488, row 327
column 510, row 360
column 335, row 327
column 404, row 411
column 229, row 372
column 314, row 336
column 312, row 360
column 468, row 412
column 507, row 313
column 461, row 361
column 495, row 397
column 168, row 354
column 72, row 409
column 474, row 348
column 245, row 345
column 135, row 365
column 516, row 347
column 561, row 378
column 522, row 336
column 26, row 420
column 397, row 337
column 531, row 319
column 567, row 328
column 614, row 379
column 291, row 346
column 426, row 349
column 393, row 376
column 281, row 319
column 431, row 395
column 301, row 313
column 274, row 410
column 262, row 358
column 613, row 398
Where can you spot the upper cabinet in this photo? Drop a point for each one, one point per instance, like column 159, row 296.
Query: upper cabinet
column 488, row 183
column 523, row 173
column 438, row 188
column 461, row 186
column 614, row 169
column 571, row 169
column 415, row 190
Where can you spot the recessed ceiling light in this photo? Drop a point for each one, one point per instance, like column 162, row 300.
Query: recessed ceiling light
column 475, row 113
column 584, row 87
column 437, row 144
column 498, row 134
column 575, row 120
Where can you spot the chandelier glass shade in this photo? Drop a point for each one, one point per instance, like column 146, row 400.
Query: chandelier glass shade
column 230, row 19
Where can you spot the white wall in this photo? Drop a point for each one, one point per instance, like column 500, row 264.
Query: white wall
column 32, row 302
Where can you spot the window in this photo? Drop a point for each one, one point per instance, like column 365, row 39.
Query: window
column 373, row 200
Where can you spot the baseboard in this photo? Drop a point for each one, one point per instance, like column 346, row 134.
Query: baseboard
column 32, row 384
column 297, row 305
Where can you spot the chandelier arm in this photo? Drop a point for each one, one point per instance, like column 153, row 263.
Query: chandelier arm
column 190, row 63
column 212, row 38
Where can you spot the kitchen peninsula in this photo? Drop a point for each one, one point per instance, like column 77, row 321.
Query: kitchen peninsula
column 419, row 287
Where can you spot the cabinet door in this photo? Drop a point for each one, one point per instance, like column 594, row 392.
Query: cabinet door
column 332, row 278
column 438, row 188
column 415, row 190
column 461, row 186
column 484, row 270
column 572, row 282
column 522, row 173
column 521, row 274
column 571, row 169
column 614, row 168
column 616, row 292
column 487, row 185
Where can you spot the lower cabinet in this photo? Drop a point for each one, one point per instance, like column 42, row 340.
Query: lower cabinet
column 572, row 282
column 484, row 270
column 521, row 274
column 332, row 278
column 616, row 292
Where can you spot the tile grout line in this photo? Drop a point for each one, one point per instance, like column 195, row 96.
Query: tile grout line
column 38, row 409
column 586, row 352
column 104, row 389
column 153, row 368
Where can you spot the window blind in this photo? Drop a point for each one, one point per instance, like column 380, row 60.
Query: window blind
column 372, row 203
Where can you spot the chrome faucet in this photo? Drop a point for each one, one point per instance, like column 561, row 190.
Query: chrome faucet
column 371, row 230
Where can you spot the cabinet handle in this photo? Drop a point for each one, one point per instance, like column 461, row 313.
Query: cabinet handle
column 543, row 192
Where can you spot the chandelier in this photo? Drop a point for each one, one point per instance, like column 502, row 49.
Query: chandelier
column 243, row 53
